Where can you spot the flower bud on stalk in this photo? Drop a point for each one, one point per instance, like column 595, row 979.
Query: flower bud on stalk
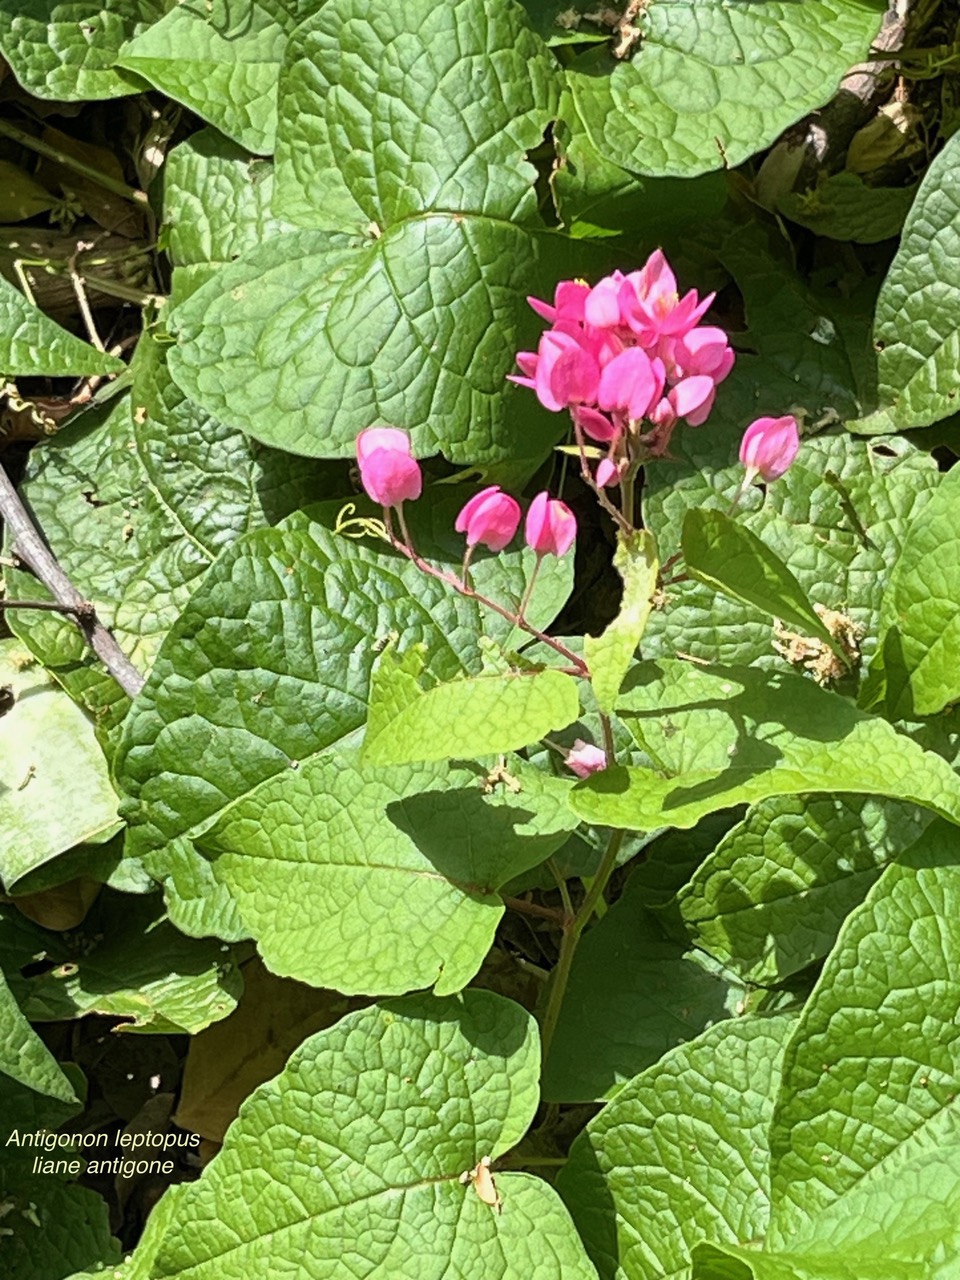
column 389, row 473
column 490, row 519
column 551, row 526
column 769, row 447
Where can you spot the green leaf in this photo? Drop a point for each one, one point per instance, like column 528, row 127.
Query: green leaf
column 610, row 654
column 139, row 1264
column 725, row 555
column 270, row 663
column 67, row 49
column 47, row 751
column 362, row 140
column 728, row 1262
column 221, row 61
column 356, row 1151
column 595, row 197
column 632, row 996
column 710, row 84
column 32, row 345
column 843, row 207
column 126, row 962
column 838, row 518
column 216, row 205
column 473, row 716
column 54, row 1227
column 915, row 672
column 421, row 851
column 772, row 897
column 871, row 1071
column 311, row 337
column 137, row 500
column 24, row 1056
column 679, row 1154
column 731, row 735
column 917, row 326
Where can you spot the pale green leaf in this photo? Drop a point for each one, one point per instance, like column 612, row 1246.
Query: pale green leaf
column 610, row 654
column 67, row 49
column 32, row 345
column 473, row 716
column 772, row 897
column 871, row 1072
column 355, row 1152
column 679, row 1154
column 55, row 789
column 915, row 672
column 395, row 869
column 726, row 736
column 221, row 61
column 24, row 1056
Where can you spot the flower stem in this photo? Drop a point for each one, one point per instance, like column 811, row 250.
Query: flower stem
column 571, row 939
column 522, row 611
column 42, row 148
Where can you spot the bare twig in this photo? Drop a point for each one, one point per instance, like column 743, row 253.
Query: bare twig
column 28, row 546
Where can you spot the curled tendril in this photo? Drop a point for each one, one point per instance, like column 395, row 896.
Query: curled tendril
column 359, row 526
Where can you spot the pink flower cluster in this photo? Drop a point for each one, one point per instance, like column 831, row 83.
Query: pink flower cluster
column 627, row 349
column 391, row 476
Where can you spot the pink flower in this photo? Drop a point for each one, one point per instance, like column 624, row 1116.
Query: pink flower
column 388, row 472
column 584, row 758
column 490, row 518
column 551, row 526
column 568, row 302
column 566, row 372
column 769, row 446
column 608, row 473
column 631, row 383
column 595, row 425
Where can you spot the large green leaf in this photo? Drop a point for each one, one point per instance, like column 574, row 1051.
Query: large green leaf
column 315, row 335
column 137, row 501
column 48, row 755
column 871, row 1072
column 127, row 962
column 216, row 205
column 32, row 345
column 67, row 49
column 679, row 1155
column 726, row 736
column 270, row 663
column 408, row 304
column 354, row 1155
column 363, row 140
column 915, row 672
column 712, row 83
column 419, row 850
column 222, row 61
column 838, row 519
column 632, row 995
column 772, row 897
column 917, row 328
column 475, row 716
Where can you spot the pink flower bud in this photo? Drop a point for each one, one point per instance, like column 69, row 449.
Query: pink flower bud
column 551, row 526
column 608, row 473
column 769, row 446
column 584, row 758
column 491, row 518
column 388, row 472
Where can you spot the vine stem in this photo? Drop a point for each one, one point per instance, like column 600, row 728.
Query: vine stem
column 406, row 548
column 571, row 939
column 28, row 546
column 42, row 148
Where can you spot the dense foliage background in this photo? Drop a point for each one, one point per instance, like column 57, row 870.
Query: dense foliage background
column 301, row 869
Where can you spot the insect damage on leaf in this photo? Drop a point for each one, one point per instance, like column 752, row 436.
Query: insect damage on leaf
column 483, row 1183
